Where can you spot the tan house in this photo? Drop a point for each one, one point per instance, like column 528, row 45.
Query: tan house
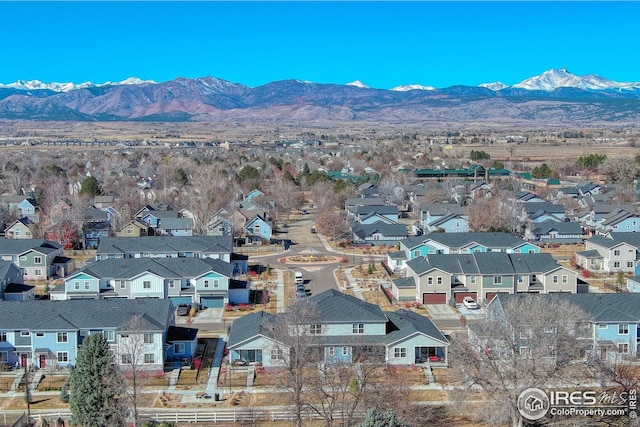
column 21, row 229
column 135, row 228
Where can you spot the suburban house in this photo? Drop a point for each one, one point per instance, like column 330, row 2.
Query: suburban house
column 43, row 333
column 174, row 227
column 555, row 232
column 391, row 213
column 527, row 197
column 448, row 278
column 620, row 221
column 347, row 330
column 446, row 217
column 11, row 283
column 136, row 228
column 539, row 212
column 38, row 259
column 205, row 281
column 258, row 230
column 462, row 243
column 378, row 233
column 219, row 226
column 22, row 228
column 218, row 247
column 614, row 333
column 606, row 255
column 23, row 205
column 591, row 217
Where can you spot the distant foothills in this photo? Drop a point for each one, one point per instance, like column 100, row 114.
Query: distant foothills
column 556, row 96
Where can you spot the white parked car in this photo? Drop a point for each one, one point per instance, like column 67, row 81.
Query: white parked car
column 470, row 303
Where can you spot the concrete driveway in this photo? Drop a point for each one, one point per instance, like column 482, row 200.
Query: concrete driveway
column 444, row 316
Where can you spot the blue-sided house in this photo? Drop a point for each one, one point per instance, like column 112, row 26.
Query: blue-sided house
column 614, row 320
column 40, row 333
column 344, row 329
column 258, row 230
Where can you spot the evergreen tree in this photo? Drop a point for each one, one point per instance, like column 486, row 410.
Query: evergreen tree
column 64, row 394
column 375, row 418
column 96, row 386
column 90, row 187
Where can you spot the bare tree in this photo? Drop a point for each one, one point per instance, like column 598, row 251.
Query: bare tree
column 295, row 343
column 529, row 341
column 132, row 347
column 331, row 224
column 620, row 170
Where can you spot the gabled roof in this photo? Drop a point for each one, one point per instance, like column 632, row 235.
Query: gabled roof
column 176, row 224
column 408, row 323
column 380, row 209
column 563, row 227
column 444, row 219
column 485, row 263
column 404, row 282
column 533, row 207
column 601, row 307
column 364, row 201
column 630, row 238
column 155, row 244
column 457, row 241
column 248, row 327
column 589, row 254
column 439, row 209
column 125, row 268
column 387, row 230
column 49, row 315
column 336, row 307
column 19, row 246
column 604, row 242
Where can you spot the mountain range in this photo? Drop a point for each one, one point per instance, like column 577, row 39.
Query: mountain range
column 555, row 96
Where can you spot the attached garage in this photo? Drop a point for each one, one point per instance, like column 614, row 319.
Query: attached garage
column 434, row 298
column 490, row 295
column 459, row 296
column 212, row 302
column 176, row 301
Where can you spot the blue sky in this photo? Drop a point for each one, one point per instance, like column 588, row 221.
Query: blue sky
column 383, row 44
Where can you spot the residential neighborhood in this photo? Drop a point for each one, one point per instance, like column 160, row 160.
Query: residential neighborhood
column 384, row 275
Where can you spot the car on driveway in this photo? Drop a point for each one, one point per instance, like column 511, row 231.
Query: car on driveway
column 470, row 303
column 183, row 309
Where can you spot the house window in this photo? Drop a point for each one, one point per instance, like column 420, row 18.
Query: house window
column 616, row 252
column 178, row 348
column 623, row 329
column 524, row 351
column 123, row 284
column 37, row 260
column 345, row 351
column 129, row 230
column 148, row 338
column 602, row 326
column 63, row 356
column 25, row 333
column 216, row 283
column 520, row 278
column 126, row 359
column 623, row 348
column 416, row 254
column 400, row 352
column 76, row 285
column 630, row 264
column 206, row 283
column 149, row 358
column 332, row 351
column 17, row 232
column 555, row 278
column 358, row 328
column 616, row 264
column 23, row 258
column 172, row 284
column 276, row 354
column 62, row 337
column 473, row 279
column 146, row 284
column 38, row 272
column 315, row 329
column 439, row 280
column 565, row 278
column 40, row 334
column 109, row 335
column 429, row 280
column 4, row 356
column 497, row 280
column 86, row 285
column 3, row 337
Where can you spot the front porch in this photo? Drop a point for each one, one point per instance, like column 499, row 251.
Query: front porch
column 433, row 356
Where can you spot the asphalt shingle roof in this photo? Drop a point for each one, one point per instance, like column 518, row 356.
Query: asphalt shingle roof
column 155, row 244
column 123, row 268
column 46, row 315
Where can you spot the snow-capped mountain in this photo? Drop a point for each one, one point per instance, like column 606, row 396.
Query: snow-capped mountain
column 358, row 83
column 405, row 88
column 556, row 78
column 554, row 96
column 68, row 87
column 495, row 86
